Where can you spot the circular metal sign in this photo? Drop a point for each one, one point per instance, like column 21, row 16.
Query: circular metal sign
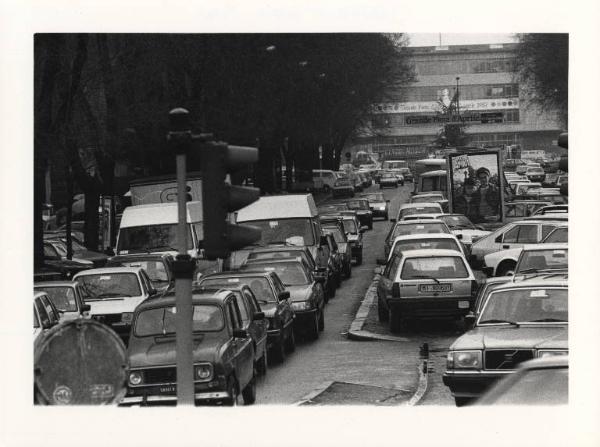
column 80, row 362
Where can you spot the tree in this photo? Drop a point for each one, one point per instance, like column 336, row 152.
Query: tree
column 542, row 63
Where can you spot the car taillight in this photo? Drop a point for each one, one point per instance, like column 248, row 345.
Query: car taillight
column 474, row 288
column 396, row 290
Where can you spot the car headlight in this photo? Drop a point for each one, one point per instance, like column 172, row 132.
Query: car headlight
column 203, row 372
column 135, row 378
column 551, row 352
column 301, row 305
column 464, row 360
column 382, row 208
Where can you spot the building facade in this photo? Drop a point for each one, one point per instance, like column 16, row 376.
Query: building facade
column 491, row 102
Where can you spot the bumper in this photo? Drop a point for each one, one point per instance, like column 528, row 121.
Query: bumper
column 471, row 383
column 379, row 213
column 431, row 307
column 304, row 319
column 157, row 399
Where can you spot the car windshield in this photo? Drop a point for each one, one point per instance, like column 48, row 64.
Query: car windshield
column 426, row 243
column 336, row 233
column 150, row 238
column 535, row 304
column 358, row 204
column 290, row 273
column 557, row 235
column 543, row 260
column 258, row 284
column 377, row 197
column 420, row 210
column 62, row 297
column 291, row 231
column 442, row 267
column 162, row 320
column 419, row 228
column 350, row 226
column 457, row 222
column 426, row 199
column 156, row 270
column 109, row 285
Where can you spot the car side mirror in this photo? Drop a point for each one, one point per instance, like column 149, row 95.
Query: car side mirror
column 258, row 316
column 86, row 308
column 283, row 295
column 470, row 320
column 381, row 261
column 240, row 333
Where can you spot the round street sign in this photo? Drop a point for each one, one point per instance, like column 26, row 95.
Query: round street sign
column 348, row 155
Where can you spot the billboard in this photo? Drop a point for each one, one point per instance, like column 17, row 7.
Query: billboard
column 475, row 186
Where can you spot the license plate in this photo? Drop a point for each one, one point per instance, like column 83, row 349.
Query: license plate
column 168, row 389
column 463, row 304
column 435, row 288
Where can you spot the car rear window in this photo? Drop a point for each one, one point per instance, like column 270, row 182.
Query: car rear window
column 420, row 228
column 161, row 321
column 544, row 259
column 259, row 286
column 427, row 244
column 63, row 298
column 290, row 273
column 420, row 210
column 443, row 267
column 109, row 285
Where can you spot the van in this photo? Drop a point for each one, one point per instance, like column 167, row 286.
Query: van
column 432, row 181
column 324, row 179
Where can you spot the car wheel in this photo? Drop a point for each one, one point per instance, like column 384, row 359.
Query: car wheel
column 278, row 353
column 348, row 270
column 462, row 401
column 322, row 321
column 249, row 393
column 313, row 331
column 290, row 342
column 505, row 268
column 261, row 365
column 395, row 321
column 232, row 390
column 331, row 293
column 359, row 259
column 382, row 312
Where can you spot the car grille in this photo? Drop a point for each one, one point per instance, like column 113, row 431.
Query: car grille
column 506, row 359
column 160, row 375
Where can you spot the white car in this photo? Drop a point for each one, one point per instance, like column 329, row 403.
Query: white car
column 418, row 208
column 113, row 293
column 439, row 241
column 45, row 314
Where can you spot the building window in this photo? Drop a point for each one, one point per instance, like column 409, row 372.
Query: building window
column 511, row 116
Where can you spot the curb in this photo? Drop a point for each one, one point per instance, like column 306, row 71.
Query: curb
column 422, row 387
column 314, row 393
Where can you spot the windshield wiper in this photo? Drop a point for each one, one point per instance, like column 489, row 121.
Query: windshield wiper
column 494, row 320
column 549, row 320
column 163, row 247
column 425, row 277
column 114, row 294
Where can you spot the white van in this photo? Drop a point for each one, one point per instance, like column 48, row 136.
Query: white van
column 324, row 179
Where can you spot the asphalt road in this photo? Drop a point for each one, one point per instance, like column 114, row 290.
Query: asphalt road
column 360, row 372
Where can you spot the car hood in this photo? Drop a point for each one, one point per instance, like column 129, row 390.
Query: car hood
column 469, row 235
column 299, row 293
column 91, row 255
column 156, row 351
column 114, row 305
column 511, row 337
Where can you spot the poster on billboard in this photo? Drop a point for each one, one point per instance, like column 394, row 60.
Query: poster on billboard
column 475, row 187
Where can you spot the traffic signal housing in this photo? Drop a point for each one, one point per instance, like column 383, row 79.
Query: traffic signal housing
column 220, row 198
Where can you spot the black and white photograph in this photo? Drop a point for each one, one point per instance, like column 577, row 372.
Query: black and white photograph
column 302, row 221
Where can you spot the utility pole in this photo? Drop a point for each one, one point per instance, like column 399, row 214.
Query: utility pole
column 457, row 98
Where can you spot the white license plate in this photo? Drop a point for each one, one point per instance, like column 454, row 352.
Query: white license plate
column 435, row 288
column 168, row 389
column 463, row 304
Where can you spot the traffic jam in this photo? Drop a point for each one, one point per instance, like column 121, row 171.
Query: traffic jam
column 463, row 250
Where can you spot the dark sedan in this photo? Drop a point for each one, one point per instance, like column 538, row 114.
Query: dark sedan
column 363, row 211
column 388, row 180
column 378, row 204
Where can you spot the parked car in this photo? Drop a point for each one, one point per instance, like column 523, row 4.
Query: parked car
column 403, row 228
column 324, row 179
column 542, row 381
column 363, row 211
column 56, row 259
column 354, row 233
column 113, row 294
column 343, row 247
column 407, row 209
column 45, row 314
column 306, row 292
column 79, row 251
column 158, row 266
column 66, row 297
column 274, row 301
column 440, row 241
column 425, row 284
column 343, row 186
column 535, row 174
column 388, row 180
column 430, row 197
column 518, row 321
column 543, row 258
column 223, row 356
column 378, row 204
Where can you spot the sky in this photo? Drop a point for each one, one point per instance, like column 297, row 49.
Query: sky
column 433, row 39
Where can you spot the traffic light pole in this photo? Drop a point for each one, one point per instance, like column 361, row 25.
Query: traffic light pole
column 180, row 138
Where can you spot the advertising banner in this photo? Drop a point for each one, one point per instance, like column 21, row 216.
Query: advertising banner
column 475, row 186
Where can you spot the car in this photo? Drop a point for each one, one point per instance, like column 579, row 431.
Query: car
column 324, row 179
column 442, row 241
column 430, row 197
column 363, row 211
column 462, row 228
column 518, row 321
column 535, row 174
column 519, row 209
column 559, row 234
column 79, row 251
column 223, row 358
column 332, row 208
column 512, row 235
column 425, row 226
column 274, row 301
column 354, row 233
column 336, row 264
column 424, row 284
column 56, row 259
column 524, row 190
column 521, row 169
column 542, row 381
column 408, row 176
column 550, row 180
column 306, row 292
column 67, row 297
column 378, row 204
column 342, row 246
column 113, row 294
column 418, row 208
column 388, row 180
column 158, row 266
column 543, row 258
column 45, row 314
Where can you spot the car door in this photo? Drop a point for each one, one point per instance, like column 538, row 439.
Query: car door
column 283, row 307
column 386, row 280
column 80, row 301
column 259, row 326
column 243, row 353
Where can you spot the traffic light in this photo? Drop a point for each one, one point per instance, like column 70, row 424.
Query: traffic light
column 219, row 198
